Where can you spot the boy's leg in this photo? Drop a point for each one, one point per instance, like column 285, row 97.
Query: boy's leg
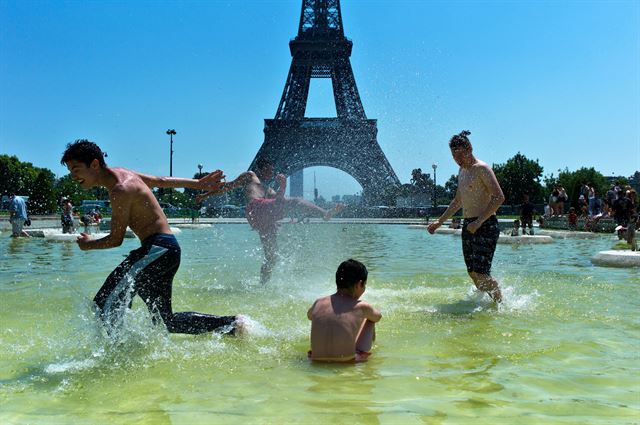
column 155, row 286
column 115, row 295
column 478, row 249
column 488, row 284
column 303, row 204
column 366, row 336
column 269, row 241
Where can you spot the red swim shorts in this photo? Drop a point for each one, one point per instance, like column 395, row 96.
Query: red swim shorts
column 264, row 213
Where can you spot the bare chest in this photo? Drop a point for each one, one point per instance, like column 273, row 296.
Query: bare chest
column 468, row 183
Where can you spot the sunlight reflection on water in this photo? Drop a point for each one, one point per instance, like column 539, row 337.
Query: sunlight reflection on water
column 567, row 333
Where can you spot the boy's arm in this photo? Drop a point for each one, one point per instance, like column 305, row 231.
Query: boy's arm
column 495, row 193
column 210, row 182
column 121, row 206
column 310, row 311
column 282, row 185
column 370, row 313
column 240, row 181
column 453, row 207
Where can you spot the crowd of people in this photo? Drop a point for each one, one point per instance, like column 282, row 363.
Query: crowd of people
column 619, row 203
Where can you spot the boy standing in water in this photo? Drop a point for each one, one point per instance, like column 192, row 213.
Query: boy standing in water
column 479, row 195
column 342, row 325
column 149, row 270
column 265, row 207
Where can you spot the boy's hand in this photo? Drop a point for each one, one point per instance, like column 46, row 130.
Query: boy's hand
column 433, row 226
column 474, row 226
column 281, row 179
column 212, row 181
column 83, row 241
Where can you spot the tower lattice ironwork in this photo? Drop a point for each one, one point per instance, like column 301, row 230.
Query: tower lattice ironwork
column 347, row 142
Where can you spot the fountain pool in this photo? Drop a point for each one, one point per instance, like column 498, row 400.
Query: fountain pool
column 564, row 347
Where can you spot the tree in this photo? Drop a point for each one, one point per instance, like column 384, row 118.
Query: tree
column 421, row 181
column 16, row 176
column 66, row 187
column 451, row 187
column 43, row 199
column 519, row 176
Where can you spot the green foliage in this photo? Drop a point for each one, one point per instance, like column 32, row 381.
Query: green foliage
column 69, row 188
column 42, row 200
column 422, row 182
column 451, row 187
column 573, row 180
column 16, row 176
column 519, row 176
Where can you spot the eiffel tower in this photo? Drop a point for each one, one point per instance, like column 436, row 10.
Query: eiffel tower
column 347, row 142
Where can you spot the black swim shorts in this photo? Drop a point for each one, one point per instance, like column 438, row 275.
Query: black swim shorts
column 478, row 247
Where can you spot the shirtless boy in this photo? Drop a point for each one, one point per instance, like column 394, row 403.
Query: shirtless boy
column 342, row 325
column 479, row 195
column 149, row 270
column 265, row 207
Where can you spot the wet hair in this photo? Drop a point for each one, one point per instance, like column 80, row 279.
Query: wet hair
column 460, row 140
column 84, row 151
column 349, row 272
column 262, row 162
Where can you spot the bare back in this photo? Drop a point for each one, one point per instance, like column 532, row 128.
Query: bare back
column 477, row 185
column 134, row 205
column 336, row 321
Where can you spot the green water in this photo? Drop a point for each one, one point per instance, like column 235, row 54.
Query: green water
column 563, row 348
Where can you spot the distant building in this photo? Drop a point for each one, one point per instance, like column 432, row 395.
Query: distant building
column 351, row 199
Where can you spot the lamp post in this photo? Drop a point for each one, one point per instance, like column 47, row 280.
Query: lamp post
column 171, row 133
column 434, row 166
column 199, row 170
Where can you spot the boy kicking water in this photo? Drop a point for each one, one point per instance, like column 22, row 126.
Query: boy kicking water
column 342, row 325
column 265, row 207
column 149, row 270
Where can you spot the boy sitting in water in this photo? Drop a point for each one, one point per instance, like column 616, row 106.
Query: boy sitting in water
column 342, row 325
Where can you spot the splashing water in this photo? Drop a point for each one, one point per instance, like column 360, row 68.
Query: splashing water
column 564, row 342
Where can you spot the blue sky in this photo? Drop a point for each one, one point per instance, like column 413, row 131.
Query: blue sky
column 556, row 81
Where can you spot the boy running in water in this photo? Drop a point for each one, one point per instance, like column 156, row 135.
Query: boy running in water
column 479, row 195
column 149, row 270
column 265, row 207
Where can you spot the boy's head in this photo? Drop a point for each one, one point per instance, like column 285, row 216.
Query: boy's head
column 264, row 168
column 85, row 161
column 516, row 223
column 83, row 151
column 349, row 273
column 460, row 146
column 572, row 210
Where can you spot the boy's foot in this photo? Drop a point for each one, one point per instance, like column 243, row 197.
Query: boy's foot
column 334, row 211
column 240, row 327
column 495, row 295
